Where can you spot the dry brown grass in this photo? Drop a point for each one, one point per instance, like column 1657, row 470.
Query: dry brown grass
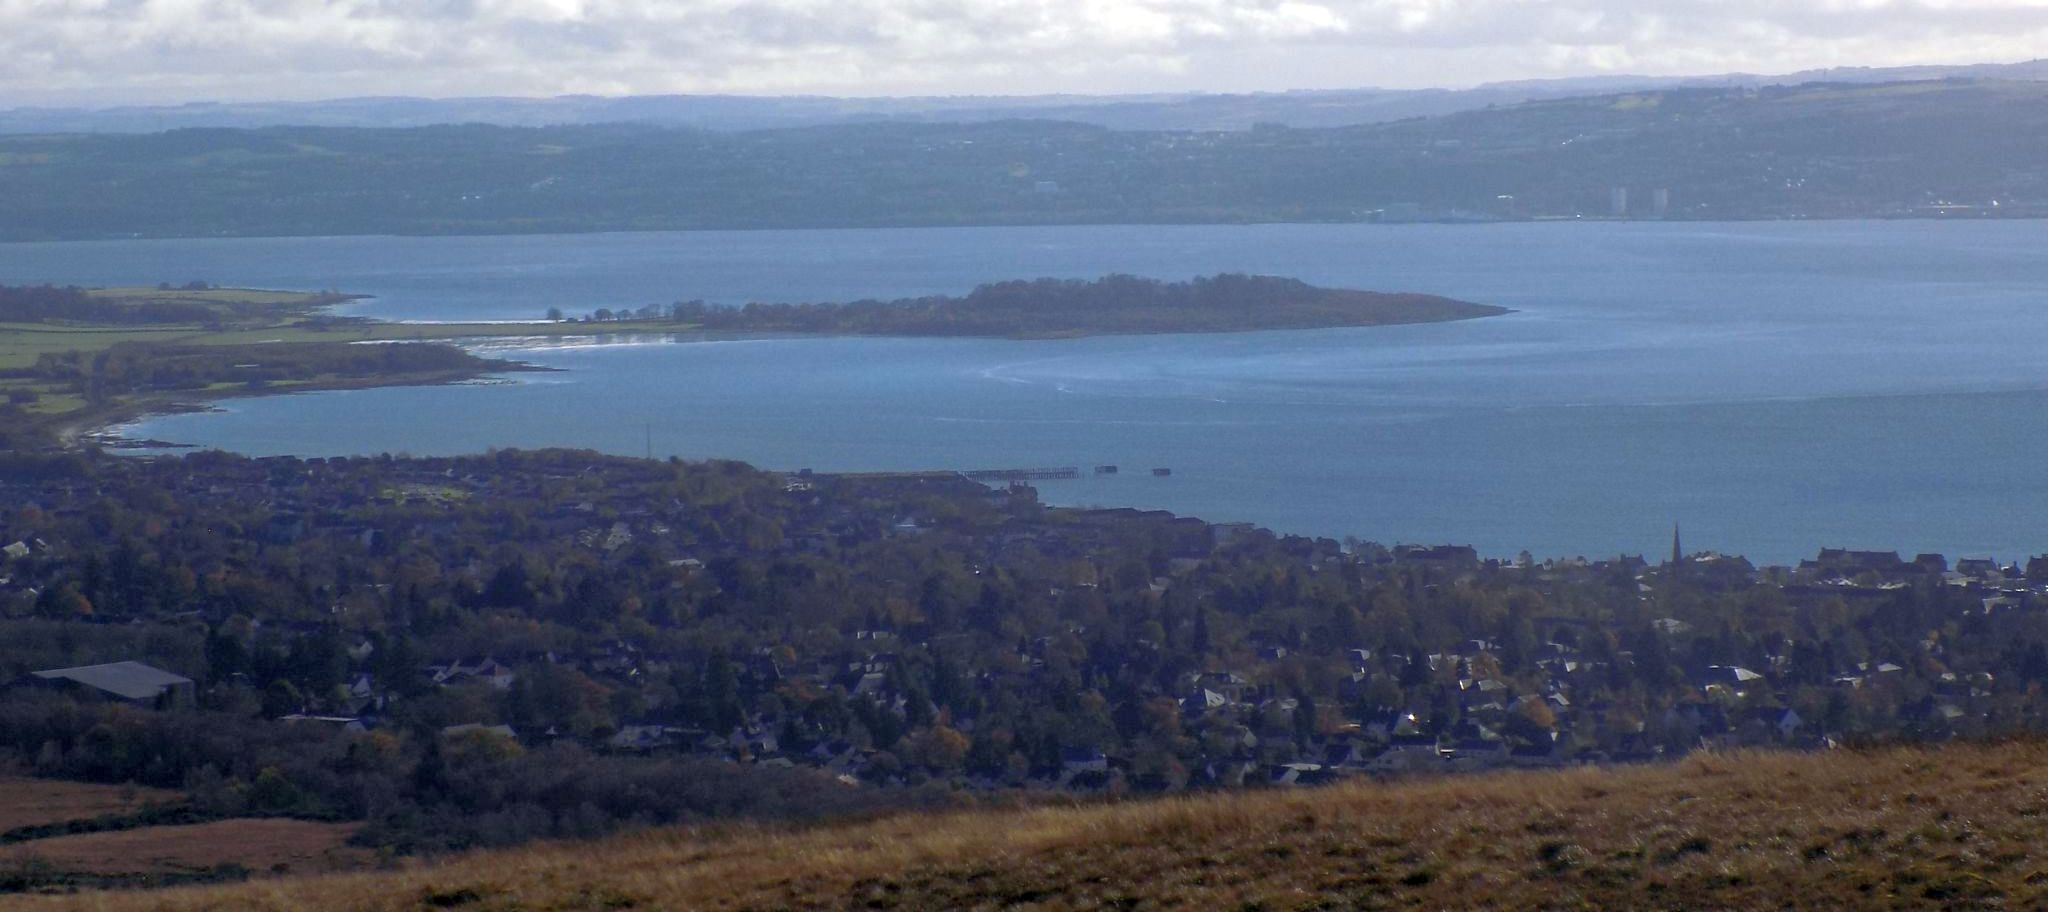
column 1953, row 827
column 258, row 844
column 33, row 802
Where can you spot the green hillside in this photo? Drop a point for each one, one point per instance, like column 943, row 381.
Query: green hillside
column 1949, row 148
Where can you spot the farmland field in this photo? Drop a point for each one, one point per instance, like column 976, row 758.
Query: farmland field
column 259, row 845
column 28, row 802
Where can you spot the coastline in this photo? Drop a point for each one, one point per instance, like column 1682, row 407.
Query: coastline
column 295, row 350
column 100, row 427
column 744, row 228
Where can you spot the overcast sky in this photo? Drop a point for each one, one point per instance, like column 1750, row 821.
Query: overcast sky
column 123, row 51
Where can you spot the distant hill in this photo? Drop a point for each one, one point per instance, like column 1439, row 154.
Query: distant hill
column 1168, row 111
column 1950, row 148
column 1955, row 827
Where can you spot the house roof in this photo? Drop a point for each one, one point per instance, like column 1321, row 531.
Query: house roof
column 128, row 680
column 503, row 731
column 1730, row 674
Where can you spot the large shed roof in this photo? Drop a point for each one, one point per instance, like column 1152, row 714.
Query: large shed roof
column 129, row 680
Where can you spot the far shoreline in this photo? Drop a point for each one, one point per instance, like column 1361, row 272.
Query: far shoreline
column 995, row 226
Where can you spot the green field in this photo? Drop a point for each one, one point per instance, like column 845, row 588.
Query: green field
column 432, row 332
column 234, row 308
column 21, row 344
column 263, row 297
column 234, row 317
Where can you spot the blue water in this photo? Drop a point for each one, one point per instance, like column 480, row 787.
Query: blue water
column 1774, row 387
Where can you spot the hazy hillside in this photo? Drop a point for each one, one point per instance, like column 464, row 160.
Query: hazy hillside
column 1174, row 111
column 1813, row 151
column 1939, row 828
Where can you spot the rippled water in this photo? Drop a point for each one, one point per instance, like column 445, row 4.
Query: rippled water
column 1775, row 387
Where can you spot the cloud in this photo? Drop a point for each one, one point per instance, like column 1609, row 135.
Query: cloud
column 168, row 50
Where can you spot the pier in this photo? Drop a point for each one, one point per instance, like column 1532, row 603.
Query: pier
column 1022, row 474
column 995, row 475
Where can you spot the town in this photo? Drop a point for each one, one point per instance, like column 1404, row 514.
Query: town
column 907, row 638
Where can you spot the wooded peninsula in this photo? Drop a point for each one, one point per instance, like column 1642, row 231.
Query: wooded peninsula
column 73, row 359
column 1067, row 308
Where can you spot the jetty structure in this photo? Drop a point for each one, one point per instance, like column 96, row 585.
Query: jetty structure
column 1054, row 473
column 1022, row 474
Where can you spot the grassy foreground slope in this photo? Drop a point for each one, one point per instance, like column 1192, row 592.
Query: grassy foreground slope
column 1949, row 827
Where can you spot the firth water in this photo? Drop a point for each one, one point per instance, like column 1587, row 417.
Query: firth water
column 1775, row 387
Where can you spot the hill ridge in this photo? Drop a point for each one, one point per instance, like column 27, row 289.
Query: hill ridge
column 1193, row 110
column 1916, row 149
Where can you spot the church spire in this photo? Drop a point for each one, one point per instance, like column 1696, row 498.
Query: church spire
column 1677, row 553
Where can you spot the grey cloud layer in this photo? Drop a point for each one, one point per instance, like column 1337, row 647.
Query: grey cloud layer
column 172, row 49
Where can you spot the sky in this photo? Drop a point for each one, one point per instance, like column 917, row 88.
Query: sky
column 98, row 52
